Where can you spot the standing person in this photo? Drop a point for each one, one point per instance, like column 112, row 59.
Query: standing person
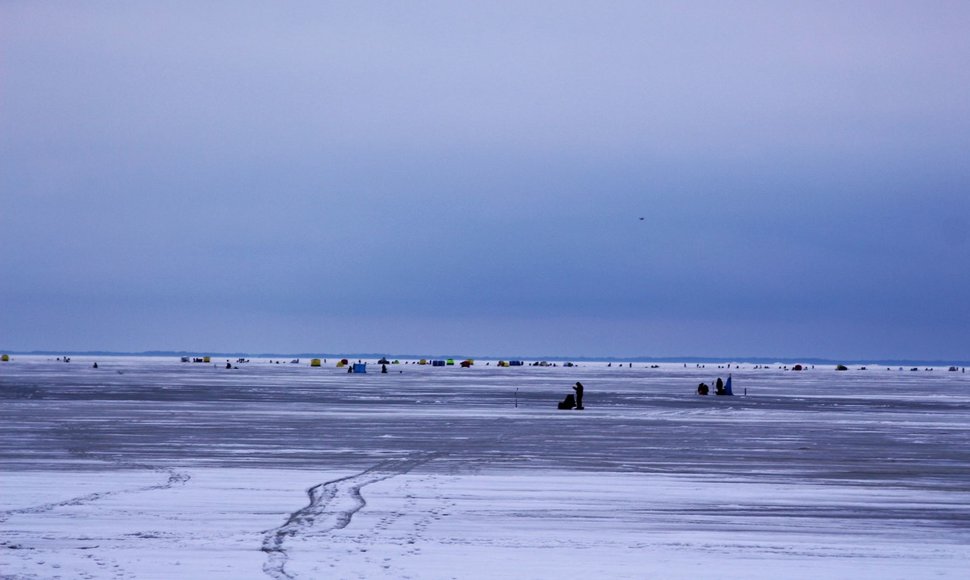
column 579, row 394
column 719, row 387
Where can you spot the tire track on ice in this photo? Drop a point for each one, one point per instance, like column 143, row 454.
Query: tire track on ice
column 175, row 477
column 27, row 552
column 332, row 506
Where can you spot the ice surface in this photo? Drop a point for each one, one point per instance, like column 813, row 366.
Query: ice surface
column 151, row 468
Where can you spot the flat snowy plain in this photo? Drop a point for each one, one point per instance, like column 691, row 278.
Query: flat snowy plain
column 153, row 468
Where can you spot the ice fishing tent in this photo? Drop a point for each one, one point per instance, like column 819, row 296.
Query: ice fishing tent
column 467, row 363
column 437, row 363
column 423, row 362
column 384, row 361
column 315, row 362
column 727, row 387
column 206, row 359
column 516, row 363
column 450, row 362
column 360, row 367
column 502, row 363
column 5, row 358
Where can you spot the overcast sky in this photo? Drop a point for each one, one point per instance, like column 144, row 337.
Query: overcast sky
column 487, row 178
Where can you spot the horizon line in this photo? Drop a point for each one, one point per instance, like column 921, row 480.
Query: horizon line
column 636, row 358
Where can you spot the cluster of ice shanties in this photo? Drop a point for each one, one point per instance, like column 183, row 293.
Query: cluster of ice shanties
column 150, row 468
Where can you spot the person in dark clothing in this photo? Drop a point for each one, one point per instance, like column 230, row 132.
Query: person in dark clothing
column 702, row 389
column 384, row 369
column 579, row 394
column 719, row 387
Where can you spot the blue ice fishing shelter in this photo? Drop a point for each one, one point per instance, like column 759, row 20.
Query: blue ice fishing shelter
column 727, row 386
column 360, row 367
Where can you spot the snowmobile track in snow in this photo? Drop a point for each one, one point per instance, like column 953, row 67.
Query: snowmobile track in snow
column 332, row 505
column 174, row 478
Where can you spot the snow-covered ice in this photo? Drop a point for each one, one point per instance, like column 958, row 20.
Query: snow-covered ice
column 152, row 468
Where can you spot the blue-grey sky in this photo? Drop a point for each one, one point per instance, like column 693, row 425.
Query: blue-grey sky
column 534, row 178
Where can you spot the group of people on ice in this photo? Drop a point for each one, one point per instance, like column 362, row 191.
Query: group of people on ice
column 720, row 387
column 576, row 401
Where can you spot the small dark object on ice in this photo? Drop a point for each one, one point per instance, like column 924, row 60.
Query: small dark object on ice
column 568, row 403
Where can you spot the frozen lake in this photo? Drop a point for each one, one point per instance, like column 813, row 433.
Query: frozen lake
column 152, row 468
